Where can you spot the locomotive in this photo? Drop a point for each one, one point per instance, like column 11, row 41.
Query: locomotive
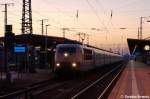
column 79, row 58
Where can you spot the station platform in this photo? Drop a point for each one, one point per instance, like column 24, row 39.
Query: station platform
column 40, row 75
column 134, row 82
column 21, row 80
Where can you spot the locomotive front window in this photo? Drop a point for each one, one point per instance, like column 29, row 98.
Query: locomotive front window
column 67, row 49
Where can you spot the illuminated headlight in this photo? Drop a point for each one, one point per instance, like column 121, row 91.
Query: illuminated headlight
column 147, row 48
column 58, row 65
column 66, row 54
column 74, row 64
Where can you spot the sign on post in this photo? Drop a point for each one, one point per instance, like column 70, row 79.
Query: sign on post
column 20, row 49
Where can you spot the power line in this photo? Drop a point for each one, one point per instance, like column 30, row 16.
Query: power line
column 36, row 12
column 102, row 7
column 127, row 4
column 104, row 11
column 96, row 14
column 71, row 17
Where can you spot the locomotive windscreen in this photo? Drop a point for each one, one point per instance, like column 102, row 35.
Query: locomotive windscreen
column 67, row 49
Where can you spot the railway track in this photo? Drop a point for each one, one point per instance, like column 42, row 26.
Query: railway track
column 101, row 87
column 87, row 88
column 92, row 86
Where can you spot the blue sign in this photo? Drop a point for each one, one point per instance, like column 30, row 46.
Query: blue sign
column 19, row 49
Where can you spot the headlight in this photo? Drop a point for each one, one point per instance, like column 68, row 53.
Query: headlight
column 66, row 54
column 58, row 65
column 74, row 64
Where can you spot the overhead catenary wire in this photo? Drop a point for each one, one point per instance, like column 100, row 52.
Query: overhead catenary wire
column 98, row 17
column 72, row 17
column 95, row 12
column 39, row 14
column 127, row 4
column 43, row 15
column 59, row 24
column 104, row 12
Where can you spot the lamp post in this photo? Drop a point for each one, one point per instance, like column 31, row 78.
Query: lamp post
column 146, row 49
column 122, row 40
column 46, row 45
column 141, row 27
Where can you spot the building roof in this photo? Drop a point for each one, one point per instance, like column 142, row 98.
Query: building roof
column 39, row 40
column 136, row 44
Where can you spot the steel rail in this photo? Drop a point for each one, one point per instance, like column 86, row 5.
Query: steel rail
column 85, row 89
column 110, row 84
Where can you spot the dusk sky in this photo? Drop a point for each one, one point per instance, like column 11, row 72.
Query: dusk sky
column 91, row 14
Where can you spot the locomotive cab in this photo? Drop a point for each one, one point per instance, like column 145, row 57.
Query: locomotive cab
column 67, row 57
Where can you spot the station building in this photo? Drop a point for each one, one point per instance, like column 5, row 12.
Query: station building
column 39, row 51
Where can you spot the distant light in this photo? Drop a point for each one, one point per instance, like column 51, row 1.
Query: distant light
column 58, row 65
column 74, row 64
column 49, row 49
column 37, row 48
column 54, row 42
column 36, row 58
column 147, row 48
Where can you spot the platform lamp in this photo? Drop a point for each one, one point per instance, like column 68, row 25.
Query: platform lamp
column 46, row 63
column 146, row 49
column 141, row 26
column 148, row 21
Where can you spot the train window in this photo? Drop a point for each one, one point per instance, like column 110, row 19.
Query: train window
column 67, row 49
column 87, row 54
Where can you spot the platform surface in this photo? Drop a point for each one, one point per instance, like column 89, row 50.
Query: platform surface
column 134, row 82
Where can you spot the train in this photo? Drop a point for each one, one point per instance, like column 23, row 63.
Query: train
column 82, row 58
